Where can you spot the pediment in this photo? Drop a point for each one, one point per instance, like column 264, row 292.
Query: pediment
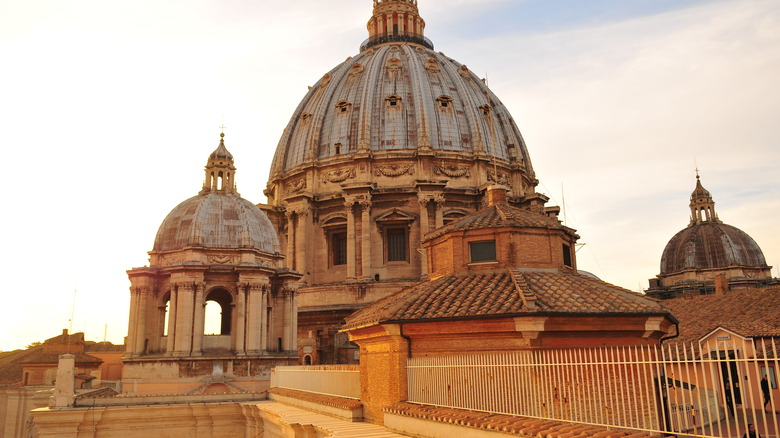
column 395, row 215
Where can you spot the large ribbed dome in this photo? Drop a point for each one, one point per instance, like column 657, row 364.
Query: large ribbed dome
column 710, row 245
column 217, row 220
column 395, row 97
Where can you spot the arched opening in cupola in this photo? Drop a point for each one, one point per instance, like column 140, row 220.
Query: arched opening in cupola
column 218, row 312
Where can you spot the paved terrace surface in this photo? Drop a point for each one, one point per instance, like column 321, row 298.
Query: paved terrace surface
column 338, row 428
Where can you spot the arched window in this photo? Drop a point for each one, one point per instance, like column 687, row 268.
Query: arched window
column 165, row 309
column 218, row 312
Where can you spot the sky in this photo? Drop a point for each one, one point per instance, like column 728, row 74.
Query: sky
column 109, row 110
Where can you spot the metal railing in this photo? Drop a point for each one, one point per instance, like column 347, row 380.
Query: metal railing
column 706, row 390
column 335, row 380
column 389, row 38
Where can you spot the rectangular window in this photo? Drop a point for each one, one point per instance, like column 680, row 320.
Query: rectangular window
column 567, row 255
column 483, row 251
column 338, row 248
column 396, row 244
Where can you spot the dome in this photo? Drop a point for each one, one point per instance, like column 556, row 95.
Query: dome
column 217, row 220
column 399, row 95
column 218, row 217
column 710, row 245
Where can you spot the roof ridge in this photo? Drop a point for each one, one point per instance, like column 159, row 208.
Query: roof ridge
column 528, row 297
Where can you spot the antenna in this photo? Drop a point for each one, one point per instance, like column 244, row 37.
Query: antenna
column 563, row 204
column 72, row 312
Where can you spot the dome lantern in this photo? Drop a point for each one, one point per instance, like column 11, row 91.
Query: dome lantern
column 395, row 20
column 702, row 205
column 220, row 171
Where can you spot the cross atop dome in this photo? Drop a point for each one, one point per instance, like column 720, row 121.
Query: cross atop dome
column 396, row 20
column 702, row 205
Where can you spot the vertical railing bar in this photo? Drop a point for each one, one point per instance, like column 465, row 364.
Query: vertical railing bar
column 629, row 411
column 620, row 396
column 661, row 387
column 576, row 386
column 747, row 396
column 715, row 373
column 599, row 417
column 772, row 403
column 649, row 395
column 632, row 366
column 587, row 382
column 610, row 383
column 558, row 384
column 756, row 377
column 689, row 399
column 528, row 383
column 698, row 380
column 545, row 360
column 730, row 410
column 677, row 377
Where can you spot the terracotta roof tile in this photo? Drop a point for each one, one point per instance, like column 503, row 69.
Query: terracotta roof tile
column 327, row 400
column 503, row 293
column 514, row 425
column 54, row 358
column 500, row 215
column 749, row 313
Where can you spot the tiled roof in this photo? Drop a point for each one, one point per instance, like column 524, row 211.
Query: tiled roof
column 500, row 215
column 103, row 347
column 749, row 313
column 509, row 424
column 54, row 358
column 11, row 364
column 323, row 399
column 504, row 293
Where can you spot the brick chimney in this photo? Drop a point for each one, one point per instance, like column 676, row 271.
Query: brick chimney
column 496, row 194
column 721, row 284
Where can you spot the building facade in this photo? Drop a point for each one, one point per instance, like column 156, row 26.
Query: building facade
column 387, row 146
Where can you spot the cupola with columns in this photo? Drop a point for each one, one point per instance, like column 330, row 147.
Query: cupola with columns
column 215, row 249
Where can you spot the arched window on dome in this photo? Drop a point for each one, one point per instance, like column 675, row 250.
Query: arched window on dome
column 444, row 101
column 218, row 314
column 343, row 107
column 393, row 101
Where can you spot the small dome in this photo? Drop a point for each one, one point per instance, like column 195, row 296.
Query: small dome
column 217, row 220
column 218, row 217
column 710, row 245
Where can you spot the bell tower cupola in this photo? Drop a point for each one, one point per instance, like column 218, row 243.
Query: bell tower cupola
column 396, row 20
column 220, row 171
column 702, row 205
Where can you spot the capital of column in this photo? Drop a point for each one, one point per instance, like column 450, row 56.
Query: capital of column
column 424, row 199
column 184, row 286
column 140, row 290
column 438, row 199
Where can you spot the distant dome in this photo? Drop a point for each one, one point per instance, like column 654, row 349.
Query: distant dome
column 399, row 97
column 218, row 217
column 217, row 220
column 710, row 245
